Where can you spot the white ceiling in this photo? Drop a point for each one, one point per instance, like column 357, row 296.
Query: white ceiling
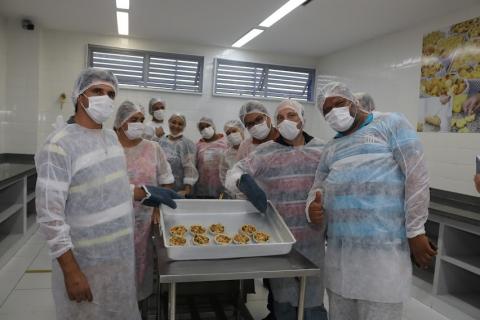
column 321, row 27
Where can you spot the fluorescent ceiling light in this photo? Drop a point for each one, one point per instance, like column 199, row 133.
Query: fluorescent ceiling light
column 246, row 38
column 123, row 4
column 122, row 23
column 280, row 13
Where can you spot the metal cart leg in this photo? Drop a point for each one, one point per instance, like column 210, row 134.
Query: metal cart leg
column 301, row 298
column 240, row 301
column 172, row 297
column 159, row 301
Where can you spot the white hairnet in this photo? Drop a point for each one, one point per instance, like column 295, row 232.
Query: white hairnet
column 152, row 102
column 333, row 89
column 252, row 106
column 233, row 124
column 206, row 120
column 90, row 77
column 179, row 115
column 291, row 104
column 124, row 112
column 365, row 100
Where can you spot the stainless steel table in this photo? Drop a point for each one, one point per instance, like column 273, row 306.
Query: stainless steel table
column 291, row 265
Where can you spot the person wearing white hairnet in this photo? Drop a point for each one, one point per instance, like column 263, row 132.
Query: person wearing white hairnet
column 371, row 190
column 258, row 122
column 154, row 128
column 234, row 131
column 210, row 149
column 146, row 165
column 284, row 169
column 366, row 101
column 84, row 208
column 181, row 154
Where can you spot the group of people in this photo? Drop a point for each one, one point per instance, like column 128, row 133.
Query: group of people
column 365, row 192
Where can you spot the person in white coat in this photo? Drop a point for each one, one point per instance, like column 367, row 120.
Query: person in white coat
column 84, row 208
column 154, row 128
column 371, row 190
column 284, row 169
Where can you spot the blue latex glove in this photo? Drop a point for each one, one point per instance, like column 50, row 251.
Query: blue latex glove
column 157, row 196
column 254, row 193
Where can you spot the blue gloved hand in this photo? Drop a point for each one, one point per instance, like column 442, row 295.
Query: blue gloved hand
column 157, row 196
column 254, row 193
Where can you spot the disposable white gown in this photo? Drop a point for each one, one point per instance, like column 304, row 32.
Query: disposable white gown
column 181, row 155
column 229, row 158
column 246, row 147
column 150, row 130
column 146, row 165
column 374, row 185
column 286, row 175
column 84, row 203
column 208, row 162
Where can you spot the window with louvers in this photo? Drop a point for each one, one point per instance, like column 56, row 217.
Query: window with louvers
column 247, row 79
column 145, row 69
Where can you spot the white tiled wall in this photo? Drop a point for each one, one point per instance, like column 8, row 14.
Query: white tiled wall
column 63, row 55
column 22, row 88
column 389, row 69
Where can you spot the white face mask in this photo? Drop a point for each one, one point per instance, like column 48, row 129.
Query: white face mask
column 340, row 119
column 207, row 133
column 100, row 108
column 135, row 130
column 288, row 129
column 234, row 138
column 159, row 114
column 260, row 131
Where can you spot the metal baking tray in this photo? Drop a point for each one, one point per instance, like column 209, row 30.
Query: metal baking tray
column 232, row 214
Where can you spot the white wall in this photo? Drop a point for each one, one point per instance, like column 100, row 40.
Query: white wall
column 389, row 69
column 63, row 55
column 22, row 88
column 3, row 78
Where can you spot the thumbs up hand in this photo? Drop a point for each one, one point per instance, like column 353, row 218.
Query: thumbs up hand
column 315, row 211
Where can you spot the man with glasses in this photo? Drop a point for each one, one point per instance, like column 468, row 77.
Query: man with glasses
column 258, row 122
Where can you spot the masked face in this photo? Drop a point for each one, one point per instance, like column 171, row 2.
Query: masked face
column 259, row 131
column 288, row 129
column 340, row 119
column 100, row 108
column 234, row 138
column 207, row 133
column 159, row 114
column 135, row 130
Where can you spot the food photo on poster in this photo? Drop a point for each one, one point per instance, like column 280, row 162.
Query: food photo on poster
column 450, row 79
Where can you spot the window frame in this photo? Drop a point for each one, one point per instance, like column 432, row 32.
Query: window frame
column 266, row 67
column 91, row 48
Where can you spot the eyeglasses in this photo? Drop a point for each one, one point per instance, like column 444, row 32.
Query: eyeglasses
column 258, row 120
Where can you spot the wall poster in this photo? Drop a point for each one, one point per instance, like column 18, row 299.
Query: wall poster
column 450, row 79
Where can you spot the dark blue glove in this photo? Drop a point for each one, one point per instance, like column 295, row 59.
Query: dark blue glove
column 254, row 193
column 157, row 196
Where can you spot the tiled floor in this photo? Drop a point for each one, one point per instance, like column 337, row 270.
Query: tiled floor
column 25, row 292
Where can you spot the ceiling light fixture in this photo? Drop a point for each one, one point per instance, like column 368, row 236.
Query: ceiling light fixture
column 123, row 4
column 122, row 23
column 246, row 38
column 282, row 12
